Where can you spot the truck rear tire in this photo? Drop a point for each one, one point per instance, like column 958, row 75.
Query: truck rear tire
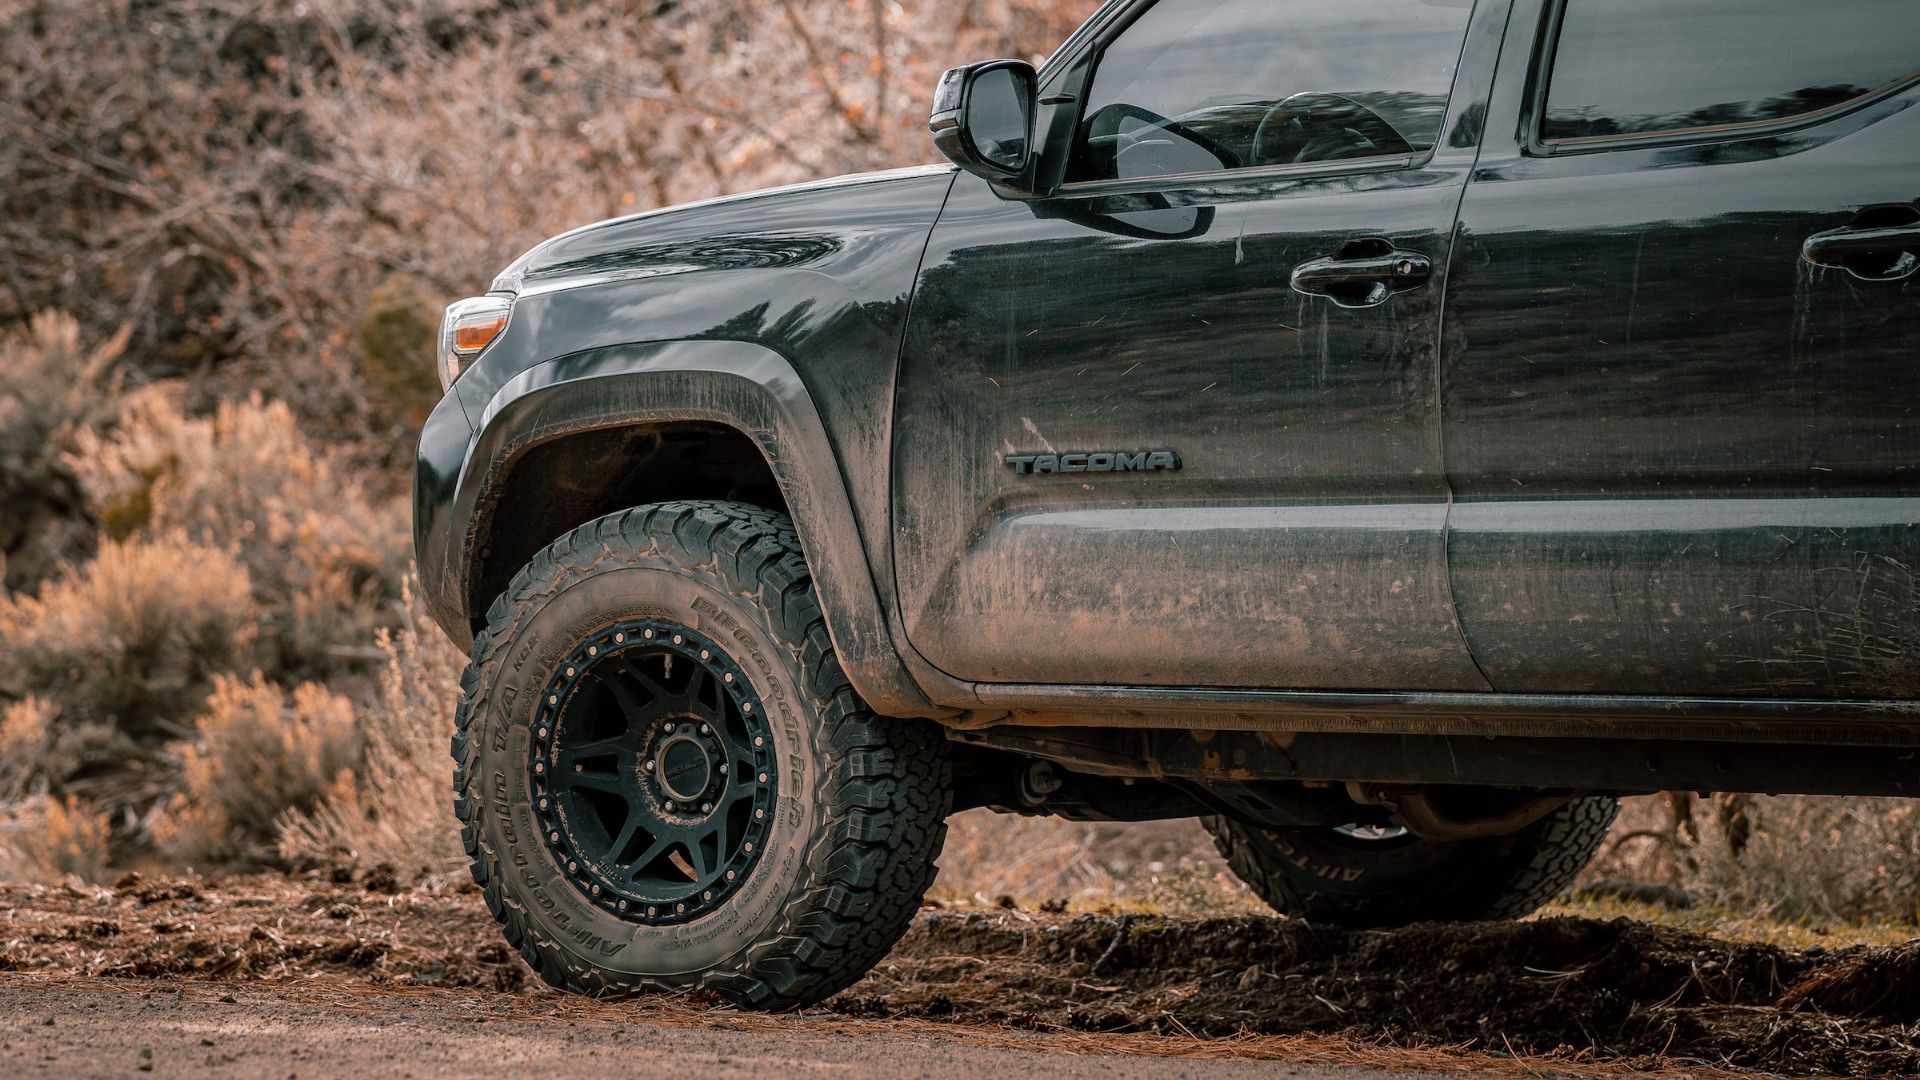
column 665, row 780
column 1383, row 878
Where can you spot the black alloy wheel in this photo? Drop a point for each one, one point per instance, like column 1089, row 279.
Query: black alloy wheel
column 653, row 771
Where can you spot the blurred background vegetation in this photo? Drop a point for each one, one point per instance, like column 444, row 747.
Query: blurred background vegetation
column 226, row 232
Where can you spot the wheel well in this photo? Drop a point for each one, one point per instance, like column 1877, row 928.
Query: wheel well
column 564, row 483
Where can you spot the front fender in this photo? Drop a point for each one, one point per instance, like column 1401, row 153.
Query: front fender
column 740, row 384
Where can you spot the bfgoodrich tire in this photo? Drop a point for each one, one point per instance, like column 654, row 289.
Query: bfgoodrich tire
column 665, row 780
column 1355, row 878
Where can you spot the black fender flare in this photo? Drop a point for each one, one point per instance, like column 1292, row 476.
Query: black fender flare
column 746, row 386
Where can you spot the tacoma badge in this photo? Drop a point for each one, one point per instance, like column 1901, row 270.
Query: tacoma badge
column 1097, row 461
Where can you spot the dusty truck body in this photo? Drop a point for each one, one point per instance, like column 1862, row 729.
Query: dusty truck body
column 1389, row 431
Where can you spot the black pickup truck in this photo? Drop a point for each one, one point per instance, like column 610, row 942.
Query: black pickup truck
column 1388, row 430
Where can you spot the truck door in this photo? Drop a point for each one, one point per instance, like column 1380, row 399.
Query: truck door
column 1682, row 359
column 1177, row 425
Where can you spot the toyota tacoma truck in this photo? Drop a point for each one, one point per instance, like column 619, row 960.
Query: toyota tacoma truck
column 1388, row 431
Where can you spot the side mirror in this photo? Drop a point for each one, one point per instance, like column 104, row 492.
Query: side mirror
column 983, row 118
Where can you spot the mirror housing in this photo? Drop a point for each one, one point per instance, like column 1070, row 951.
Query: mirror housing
column 982, row 118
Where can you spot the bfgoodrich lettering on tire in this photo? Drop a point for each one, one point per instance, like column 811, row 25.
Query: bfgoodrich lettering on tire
column 664, row 779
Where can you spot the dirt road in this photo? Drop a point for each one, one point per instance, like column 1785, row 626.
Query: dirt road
column 328, row 976
column 80, row 1027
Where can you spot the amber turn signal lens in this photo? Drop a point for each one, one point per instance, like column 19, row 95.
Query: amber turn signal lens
column 476, row 336
column 469, row 327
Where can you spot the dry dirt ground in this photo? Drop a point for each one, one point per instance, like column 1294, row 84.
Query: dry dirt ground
column 273, row 976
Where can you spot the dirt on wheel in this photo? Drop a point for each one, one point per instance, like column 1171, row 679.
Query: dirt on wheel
column 1568, row 992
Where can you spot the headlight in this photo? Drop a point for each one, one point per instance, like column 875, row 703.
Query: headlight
column 469, row 327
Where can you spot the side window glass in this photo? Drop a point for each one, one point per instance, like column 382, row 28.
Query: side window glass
column 1201, row 85
column 1643, row 67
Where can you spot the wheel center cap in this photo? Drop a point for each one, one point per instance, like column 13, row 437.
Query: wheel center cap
column 683, row 768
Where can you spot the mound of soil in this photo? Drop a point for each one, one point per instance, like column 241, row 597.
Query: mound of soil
column 1574, row 990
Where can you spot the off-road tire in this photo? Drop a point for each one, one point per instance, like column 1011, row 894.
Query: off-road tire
column 859, row 819
column 1321, row 875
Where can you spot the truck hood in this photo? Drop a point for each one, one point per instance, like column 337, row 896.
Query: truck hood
column 707, row 234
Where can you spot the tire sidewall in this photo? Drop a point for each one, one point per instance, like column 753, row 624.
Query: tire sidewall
column 593, row 939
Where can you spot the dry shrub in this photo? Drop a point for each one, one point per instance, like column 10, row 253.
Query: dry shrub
column 55, row 385
column 396, row 340
column 47, row 839
column 26, row 743
column 1164, row 866
column 133, row 638
column 259, row 754
column 323, row 556
column 1797, row 858
column 400, row 811
column 1810, row 857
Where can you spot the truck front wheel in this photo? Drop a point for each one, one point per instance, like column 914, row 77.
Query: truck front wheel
column 1369, row 876
column 665, row 780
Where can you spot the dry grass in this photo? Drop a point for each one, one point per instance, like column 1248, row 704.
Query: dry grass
column 1790, row 860
column 26, row 747
column 57, row 385
column 47, row 839
column 398, row 813
column 260, row 753
column 1167, row 867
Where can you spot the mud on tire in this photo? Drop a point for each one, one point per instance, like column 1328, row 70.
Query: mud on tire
column 853, row 818
column 1323, row 874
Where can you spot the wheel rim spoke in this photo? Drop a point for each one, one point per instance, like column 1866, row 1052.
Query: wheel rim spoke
column 613, row 783
column 639, row 862
column 598, row 748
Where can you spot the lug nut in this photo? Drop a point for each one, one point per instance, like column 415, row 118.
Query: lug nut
column 669, row 806
column 763, row 778
column 554, row 837
column 705, row 730
column 706, row 808
column 723, row 770
column 648, row 766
